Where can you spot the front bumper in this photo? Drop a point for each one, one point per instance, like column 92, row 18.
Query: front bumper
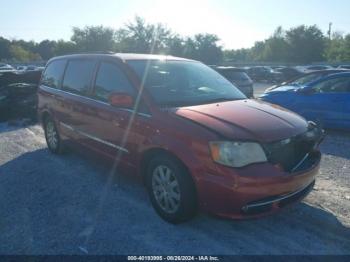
column 255, row 190
column 268, row 204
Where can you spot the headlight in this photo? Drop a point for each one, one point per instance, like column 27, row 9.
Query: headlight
column 236, row 154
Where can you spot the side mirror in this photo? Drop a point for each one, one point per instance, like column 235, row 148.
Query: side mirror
column 121, row 100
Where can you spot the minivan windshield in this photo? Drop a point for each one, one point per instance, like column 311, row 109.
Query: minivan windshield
column 184, row 83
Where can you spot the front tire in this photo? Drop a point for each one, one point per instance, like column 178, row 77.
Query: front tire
column 171, row 189
column 53, row 139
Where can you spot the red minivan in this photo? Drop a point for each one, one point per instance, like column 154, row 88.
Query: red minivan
column 195, row 140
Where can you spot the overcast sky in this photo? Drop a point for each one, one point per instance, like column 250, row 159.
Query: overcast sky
column 238, row 23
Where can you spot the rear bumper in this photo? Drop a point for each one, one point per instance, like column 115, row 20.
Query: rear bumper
column 255, row 190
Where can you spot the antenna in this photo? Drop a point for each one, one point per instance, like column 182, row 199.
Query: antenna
column 330, row 30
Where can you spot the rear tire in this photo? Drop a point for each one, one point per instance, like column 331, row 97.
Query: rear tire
column 53, row 139
column 171, row 189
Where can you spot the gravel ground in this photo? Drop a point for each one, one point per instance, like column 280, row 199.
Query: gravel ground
column 54, row 205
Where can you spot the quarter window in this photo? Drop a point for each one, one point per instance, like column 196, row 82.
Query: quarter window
column 110, row 78
column 78, row 76
column 53, row 74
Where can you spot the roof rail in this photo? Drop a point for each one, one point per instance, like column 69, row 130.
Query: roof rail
column 92, row 52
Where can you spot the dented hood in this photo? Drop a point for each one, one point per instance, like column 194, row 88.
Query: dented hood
column 246, row 120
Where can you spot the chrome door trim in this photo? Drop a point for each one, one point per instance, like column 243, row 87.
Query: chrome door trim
column 94, row 138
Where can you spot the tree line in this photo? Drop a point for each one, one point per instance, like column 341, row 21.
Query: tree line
column 302, row 44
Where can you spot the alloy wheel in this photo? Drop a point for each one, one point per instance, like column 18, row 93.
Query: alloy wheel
column 166, row 189
column 51, row 135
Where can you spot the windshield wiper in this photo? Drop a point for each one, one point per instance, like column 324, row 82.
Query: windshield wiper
column 221, row 99
column 193, row 103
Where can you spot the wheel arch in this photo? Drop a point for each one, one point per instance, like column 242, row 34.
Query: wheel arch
column 153, row 152
column 44, row 116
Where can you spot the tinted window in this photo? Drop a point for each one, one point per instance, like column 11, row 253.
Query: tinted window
column 335, row 85
column 111, row 79
column 53, row 74
column 78, row 76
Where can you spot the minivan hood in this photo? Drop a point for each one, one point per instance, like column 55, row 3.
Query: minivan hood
column 246, row 120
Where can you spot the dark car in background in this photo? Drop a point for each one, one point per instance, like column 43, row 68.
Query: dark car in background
column 264, row 74
column 289, row 73
column 325, row 100
column 238, row 77
column 317, row 68
column 18, row 93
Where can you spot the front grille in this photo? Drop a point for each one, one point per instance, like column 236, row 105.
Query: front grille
column 290, row 152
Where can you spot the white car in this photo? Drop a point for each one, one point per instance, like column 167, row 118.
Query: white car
column 6, row 68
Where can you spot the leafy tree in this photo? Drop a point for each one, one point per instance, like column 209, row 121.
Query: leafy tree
column 46, row 49
column 140, row 37
column 238, row 55
column 338, row 49
column 175, row 46
column 257, row 51
column 65, row 47
column 276, row 47
column 93, row 38
column 347, row 48
column 5, row 53
column 204, row 47
column 302, row 44
column 19, row 54
column 306, row 44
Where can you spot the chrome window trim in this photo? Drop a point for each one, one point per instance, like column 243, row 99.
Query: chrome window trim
column 94, row 137
column 98, row 101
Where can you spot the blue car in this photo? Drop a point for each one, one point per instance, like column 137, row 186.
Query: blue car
column 325, row 101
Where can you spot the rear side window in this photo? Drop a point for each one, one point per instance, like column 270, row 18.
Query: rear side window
column 335, row 85
column 53, row 74
column 78, row 76
column 110, row 78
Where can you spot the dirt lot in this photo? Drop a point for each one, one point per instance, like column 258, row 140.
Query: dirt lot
column 52, row 205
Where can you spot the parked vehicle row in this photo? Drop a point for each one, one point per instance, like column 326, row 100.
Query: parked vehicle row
column 264, row 73
column 278, row 74
column 238, row 77
column 194, row 139
column 6, row 68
